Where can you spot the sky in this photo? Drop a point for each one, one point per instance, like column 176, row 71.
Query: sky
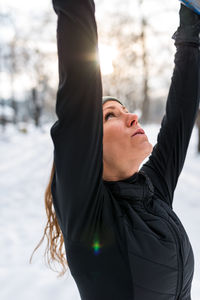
column 157, row 13
column 163, row 16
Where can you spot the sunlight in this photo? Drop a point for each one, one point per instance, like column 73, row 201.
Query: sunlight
column 107, row 54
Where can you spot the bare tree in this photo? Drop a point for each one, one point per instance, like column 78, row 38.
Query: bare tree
column 133, row 67
column 145, row 65
column 13, row 69
column 28, row 55
column 9, row 62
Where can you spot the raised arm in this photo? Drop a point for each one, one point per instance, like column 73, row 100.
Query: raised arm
column 78, row 132
column 167, row 159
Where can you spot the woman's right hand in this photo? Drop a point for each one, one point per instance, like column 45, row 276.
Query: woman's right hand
column 189, row 28
column 187, row 16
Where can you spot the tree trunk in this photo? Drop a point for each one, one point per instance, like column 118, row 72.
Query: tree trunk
column 145, row 102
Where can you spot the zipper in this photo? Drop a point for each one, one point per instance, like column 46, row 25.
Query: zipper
column 180, row 259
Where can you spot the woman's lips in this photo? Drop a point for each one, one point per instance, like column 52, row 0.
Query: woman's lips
column 138, row 131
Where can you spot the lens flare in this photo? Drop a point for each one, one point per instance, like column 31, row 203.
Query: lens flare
column 96, row 246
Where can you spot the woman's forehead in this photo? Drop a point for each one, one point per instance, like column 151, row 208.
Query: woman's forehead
column 112, row 104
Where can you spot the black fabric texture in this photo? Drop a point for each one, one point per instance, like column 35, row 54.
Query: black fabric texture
column 189, row 27
column 123, row 239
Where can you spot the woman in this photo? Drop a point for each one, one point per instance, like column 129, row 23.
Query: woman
column 123, row 240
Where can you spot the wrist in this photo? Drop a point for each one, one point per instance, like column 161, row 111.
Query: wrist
column 188, row 34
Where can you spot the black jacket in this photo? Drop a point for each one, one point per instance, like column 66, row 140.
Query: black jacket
column 123, row 240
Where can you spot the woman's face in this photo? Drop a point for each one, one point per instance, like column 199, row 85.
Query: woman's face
column 122, row 152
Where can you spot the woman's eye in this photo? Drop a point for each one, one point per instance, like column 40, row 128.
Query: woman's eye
column 108, row 114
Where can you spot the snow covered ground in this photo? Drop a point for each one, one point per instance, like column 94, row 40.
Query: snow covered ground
column 25, row 164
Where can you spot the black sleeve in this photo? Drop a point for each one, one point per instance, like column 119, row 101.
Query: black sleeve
column 78, row 132
column 167, row 158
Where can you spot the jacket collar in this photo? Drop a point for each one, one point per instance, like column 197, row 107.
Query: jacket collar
column 137, row 187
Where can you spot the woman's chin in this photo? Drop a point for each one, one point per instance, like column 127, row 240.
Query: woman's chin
column 148, row 149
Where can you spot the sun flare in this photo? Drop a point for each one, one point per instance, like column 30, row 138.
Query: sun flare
column 107, row 54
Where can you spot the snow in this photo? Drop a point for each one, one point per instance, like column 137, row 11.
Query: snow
column 25, row 164
column 6, row 111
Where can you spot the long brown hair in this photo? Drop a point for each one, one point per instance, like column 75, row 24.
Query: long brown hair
column 54, row 251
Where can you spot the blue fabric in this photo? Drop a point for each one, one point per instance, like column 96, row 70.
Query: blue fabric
column 192, row 4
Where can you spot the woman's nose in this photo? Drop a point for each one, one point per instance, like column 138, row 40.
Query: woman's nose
column 132, row 120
